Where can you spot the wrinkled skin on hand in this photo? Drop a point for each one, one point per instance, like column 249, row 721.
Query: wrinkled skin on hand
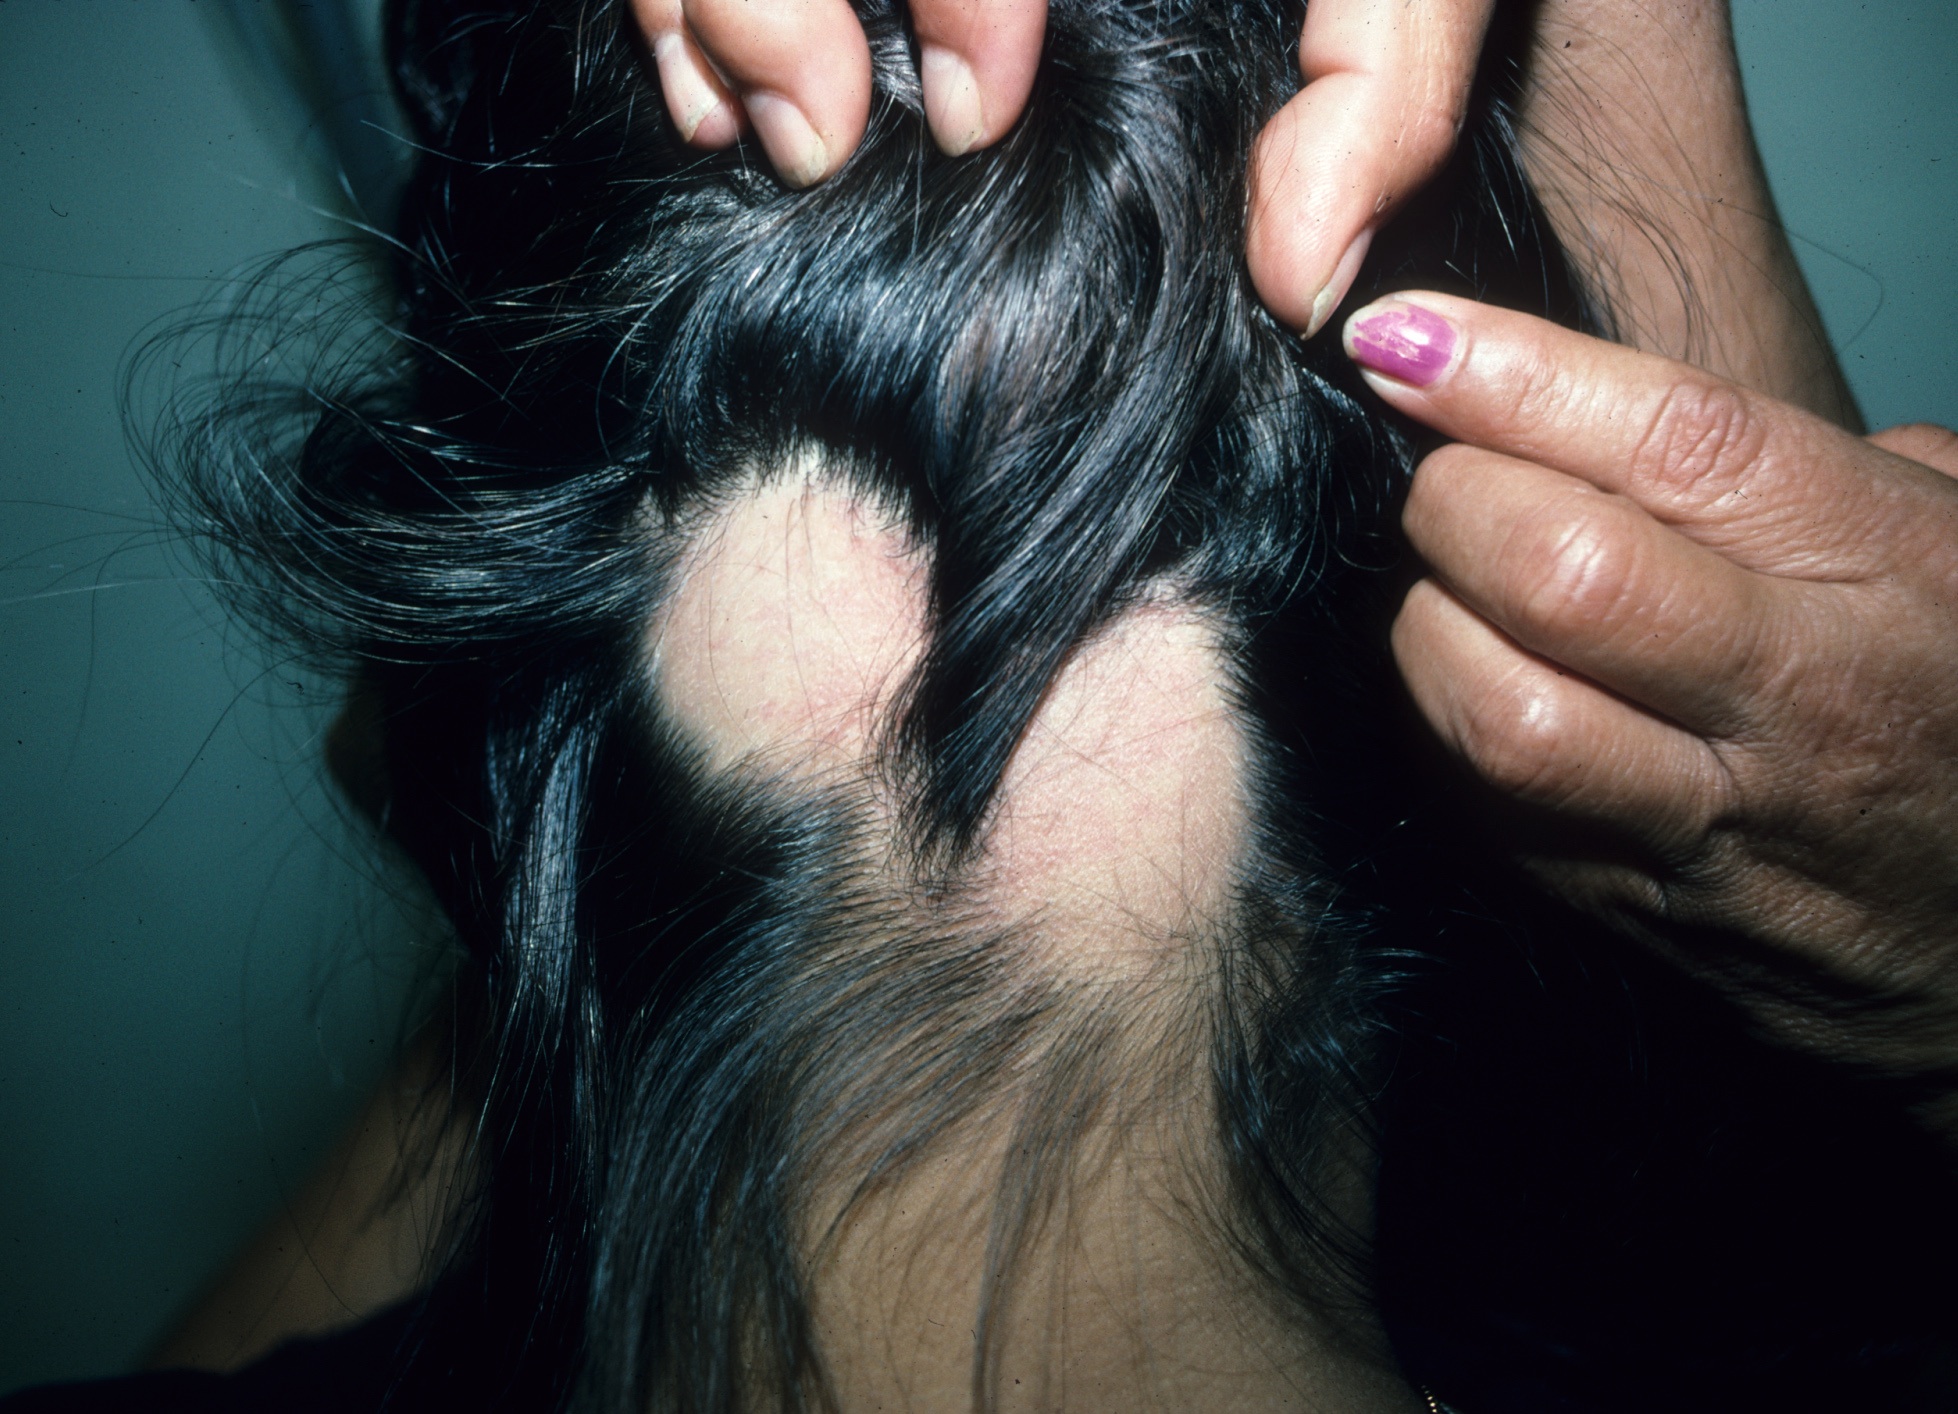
column 1720, row 636
column 1706, row 635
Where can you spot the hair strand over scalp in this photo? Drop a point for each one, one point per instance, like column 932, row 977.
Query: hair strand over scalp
column 1048, row 359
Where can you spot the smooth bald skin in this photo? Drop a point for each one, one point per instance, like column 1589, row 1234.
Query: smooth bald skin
column 800, row 610
column 1121, row 813
column 796, row 615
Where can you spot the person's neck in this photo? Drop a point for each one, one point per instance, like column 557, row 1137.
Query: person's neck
column 1035, row 1218
column 1125, row 1293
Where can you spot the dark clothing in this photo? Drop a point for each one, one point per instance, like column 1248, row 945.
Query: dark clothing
column 337, row 1374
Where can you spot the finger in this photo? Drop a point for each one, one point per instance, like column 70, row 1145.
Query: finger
column 801, row 69
column 1922, row 442
column 976, row 60
column 1593, row 583
column 1387, row 85
column 1548, row 737
column 702, row 107
column 1773, row 487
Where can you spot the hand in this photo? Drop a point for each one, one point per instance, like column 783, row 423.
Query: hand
column 1632, row 125
column 1388, row 84
column 799, row 73
column 1715, row 639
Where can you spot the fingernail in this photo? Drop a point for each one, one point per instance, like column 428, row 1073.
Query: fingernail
column 689, row 97
column 951, row 100
column 792, row 145
column 1403, row 341
column 1327, row 300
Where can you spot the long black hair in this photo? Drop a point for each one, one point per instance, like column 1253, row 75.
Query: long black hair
column 1047, row 361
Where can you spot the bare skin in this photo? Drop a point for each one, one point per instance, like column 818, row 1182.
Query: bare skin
column 357, row 1237
column 1721, row 631
column 797, row 615
column 1659, row 218
column 1806, row 814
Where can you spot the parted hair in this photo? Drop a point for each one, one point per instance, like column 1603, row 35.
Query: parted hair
column 680, row 995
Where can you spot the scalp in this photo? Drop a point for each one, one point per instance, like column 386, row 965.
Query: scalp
column 796, row 615
column 797, row 610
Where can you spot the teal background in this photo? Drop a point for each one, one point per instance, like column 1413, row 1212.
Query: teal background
column 200, row 963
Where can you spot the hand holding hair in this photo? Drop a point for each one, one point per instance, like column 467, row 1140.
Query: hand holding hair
column 799, row 73
column 1713, row 639
column 1387, row 88
column 1632, row 126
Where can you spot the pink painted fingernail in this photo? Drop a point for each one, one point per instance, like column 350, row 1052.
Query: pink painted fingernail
column 1403, row 341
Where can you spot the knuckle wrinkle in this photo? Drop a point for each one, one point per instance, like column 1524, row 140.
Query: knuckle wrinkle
column 1584, row 575
column 1513, row 737
column 1698, row 442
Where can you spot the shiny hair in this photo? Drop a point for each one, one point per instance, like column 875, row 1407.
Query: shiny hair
column 1047, row 359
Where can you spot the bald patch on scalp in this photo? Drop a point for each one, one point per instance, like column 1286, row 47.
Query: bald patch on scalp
column 796, row 615
column 1122, row 811
column 1089, row 914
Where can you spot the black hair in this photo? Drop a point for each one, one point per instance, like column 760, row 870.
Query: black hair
column 1048, row 360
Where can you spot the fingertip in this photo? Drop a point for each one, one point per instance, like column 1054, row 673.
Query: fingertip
column 976, row 62
column 799, row 154
column 1326, row 303
column 954, row 107
column 722, row 127
column 1387, row 85
column 1402, row 341
column 1443, row 651
column 798, row 75
column 699, row 104
column 1415, row 620
column 1270, row 238
column 1311, row 211
column 1435, row 495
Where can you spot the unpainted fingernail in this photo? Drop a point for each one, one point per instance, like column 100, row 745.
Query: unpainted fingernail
column 1341, row 280
column 792, row 144
column 1403, row 341
column 689, row 97
column 952, row 106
